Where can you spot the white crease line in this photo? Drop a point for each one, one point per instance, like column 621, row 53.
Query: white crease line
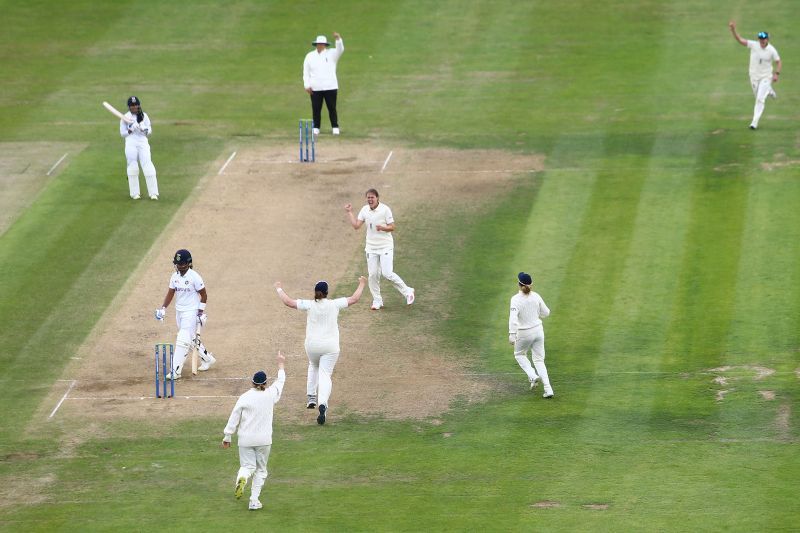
column 388, row 157
column 137, row 398
column 57, row 163
column 226, row 164
column 71, row 385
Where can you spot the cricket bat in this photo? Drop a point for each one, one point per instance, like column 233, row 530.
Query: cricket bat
column 194, row 362
column 111, row 109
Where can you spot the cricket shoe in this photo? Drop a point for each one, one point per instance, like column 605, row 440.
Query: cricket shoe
column 376, row 305
column 336, row 131
column 154, row 197
column 312, row 402
column 177, row 375
column 548, row 395
column 255, row 505
column 321, row 418
column 773, row 94
column 534, row 382
column 239, row 490
column 316, row 131
column 135, row 197
column 207, row 364
column 753, row 127
column 410, row 296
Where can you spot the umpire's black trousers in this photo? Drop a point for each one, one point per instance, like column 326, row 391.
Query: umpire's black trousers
column 316, row 107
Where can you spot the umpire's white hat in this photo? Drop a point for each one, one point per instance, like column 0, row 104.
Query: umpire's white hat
column 321, row 39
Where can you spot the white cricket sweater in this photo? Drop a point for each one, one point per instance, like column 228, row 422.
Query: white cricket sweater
column 527, row 311
column 252, row 415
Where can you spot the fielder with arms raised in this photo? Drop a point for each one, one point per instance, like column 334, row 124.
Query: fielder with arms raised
column 135, row 129
column 189, row 291
column 251, row 418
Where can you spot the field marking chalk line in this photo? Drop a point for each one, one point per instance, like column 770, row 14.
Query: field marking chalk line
column 71, row 385
column 57, row 163
column 388, row 157
column 226, row 164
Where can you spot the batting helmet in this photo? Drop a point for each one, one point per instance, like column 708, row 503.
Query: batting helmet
column 182, row 256
column 133, row 101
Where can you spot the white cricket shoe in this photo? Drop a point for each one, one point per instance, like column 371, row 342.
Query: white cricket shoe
column 316, row 131
column 177, row 375
column 376, row 305
column 773, row 94
column 154, row 197
column 336, row 131
column 410, row 296
column 548, row 395
column 207, row 364
column 534, row 382
column 255, row 505
column 135, row 197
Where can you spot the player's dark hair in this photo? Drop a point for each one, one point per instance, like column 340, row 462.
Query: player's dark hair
column 526, row 289
column 373, row 191
column 319, row 295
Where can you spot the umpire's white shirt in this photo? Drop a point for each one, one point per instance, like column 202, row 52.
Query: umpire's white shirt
column 761, row 60
column 186, row 290
column 377, row 241
column 527, row 311
column 322, row 325
column 319, row 69
column 252, row 414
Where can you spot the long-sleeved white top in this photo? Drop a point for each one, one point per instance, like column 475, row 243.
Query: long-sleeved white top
column 142, row 133
column 319, row 68
column 251, row 417
column 527, row 311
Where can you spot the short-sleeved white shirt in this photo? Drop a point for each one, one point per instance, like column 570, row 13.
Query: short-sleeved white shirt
column 322, row 326
column 377, row 241
column 761, row 60
column 187, row 288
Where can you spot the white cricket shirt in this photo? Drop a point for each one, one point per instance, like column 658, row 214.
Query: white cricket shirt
column 527, row 311
column 761, row 60
column 322, row 325
column 319, row 69
column 187, row 297
column 136, row 135
column 251, row 417
column 377, row 241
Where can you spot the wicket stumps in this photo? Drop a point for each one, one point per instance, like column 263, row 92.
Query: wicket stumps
column 164, row 349
column 307, row 126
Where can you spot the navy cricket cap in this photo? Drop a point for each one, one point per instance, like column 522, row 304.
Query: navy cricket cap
column 259, row 378
column 321, row 286
column 524, row 279
column 763, row 35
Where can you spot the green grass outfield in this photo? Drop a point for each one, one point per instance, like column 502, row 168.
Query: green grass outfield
column 663, row 235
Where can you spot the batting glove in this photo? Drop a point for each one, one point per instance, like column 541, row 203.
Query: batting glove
column 161, row 313
column 512, row 338
column 202, row 319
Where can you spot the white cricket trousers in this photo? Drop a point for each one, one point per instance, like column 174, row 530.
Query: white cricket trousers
column 187, row 328
column 253, row 462
column 382, row 264
column 532, row 340
column 761, row 89
column 137, row 151
column 321, row 361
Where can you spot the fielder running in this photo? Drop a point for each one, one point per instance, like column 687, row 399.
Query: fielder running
column 190, row 305
column 762, row 76
column 251, row 418
column 380, row 247
column 137, row 149
column 322, row 339
column 525, row 332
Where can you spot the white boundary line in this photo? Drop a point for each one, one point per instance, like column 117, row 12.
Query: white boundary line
column 57, row 163
column 388, row 157
column 226, row 164
column 71, row 385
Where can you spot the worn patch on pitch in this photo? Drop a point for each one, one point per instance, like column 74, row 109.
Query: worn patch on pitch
column 269, row 218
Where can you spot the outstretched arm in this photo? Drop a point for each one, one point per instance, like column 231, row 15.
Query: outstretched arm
column 289, row 302
column 732, row 26
column 357, row 295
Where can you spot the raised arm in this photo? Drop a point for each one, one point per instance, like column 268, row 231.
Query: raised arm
column 353, row 220
column 357, row 295
column 289, row 302
column 732, row 26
